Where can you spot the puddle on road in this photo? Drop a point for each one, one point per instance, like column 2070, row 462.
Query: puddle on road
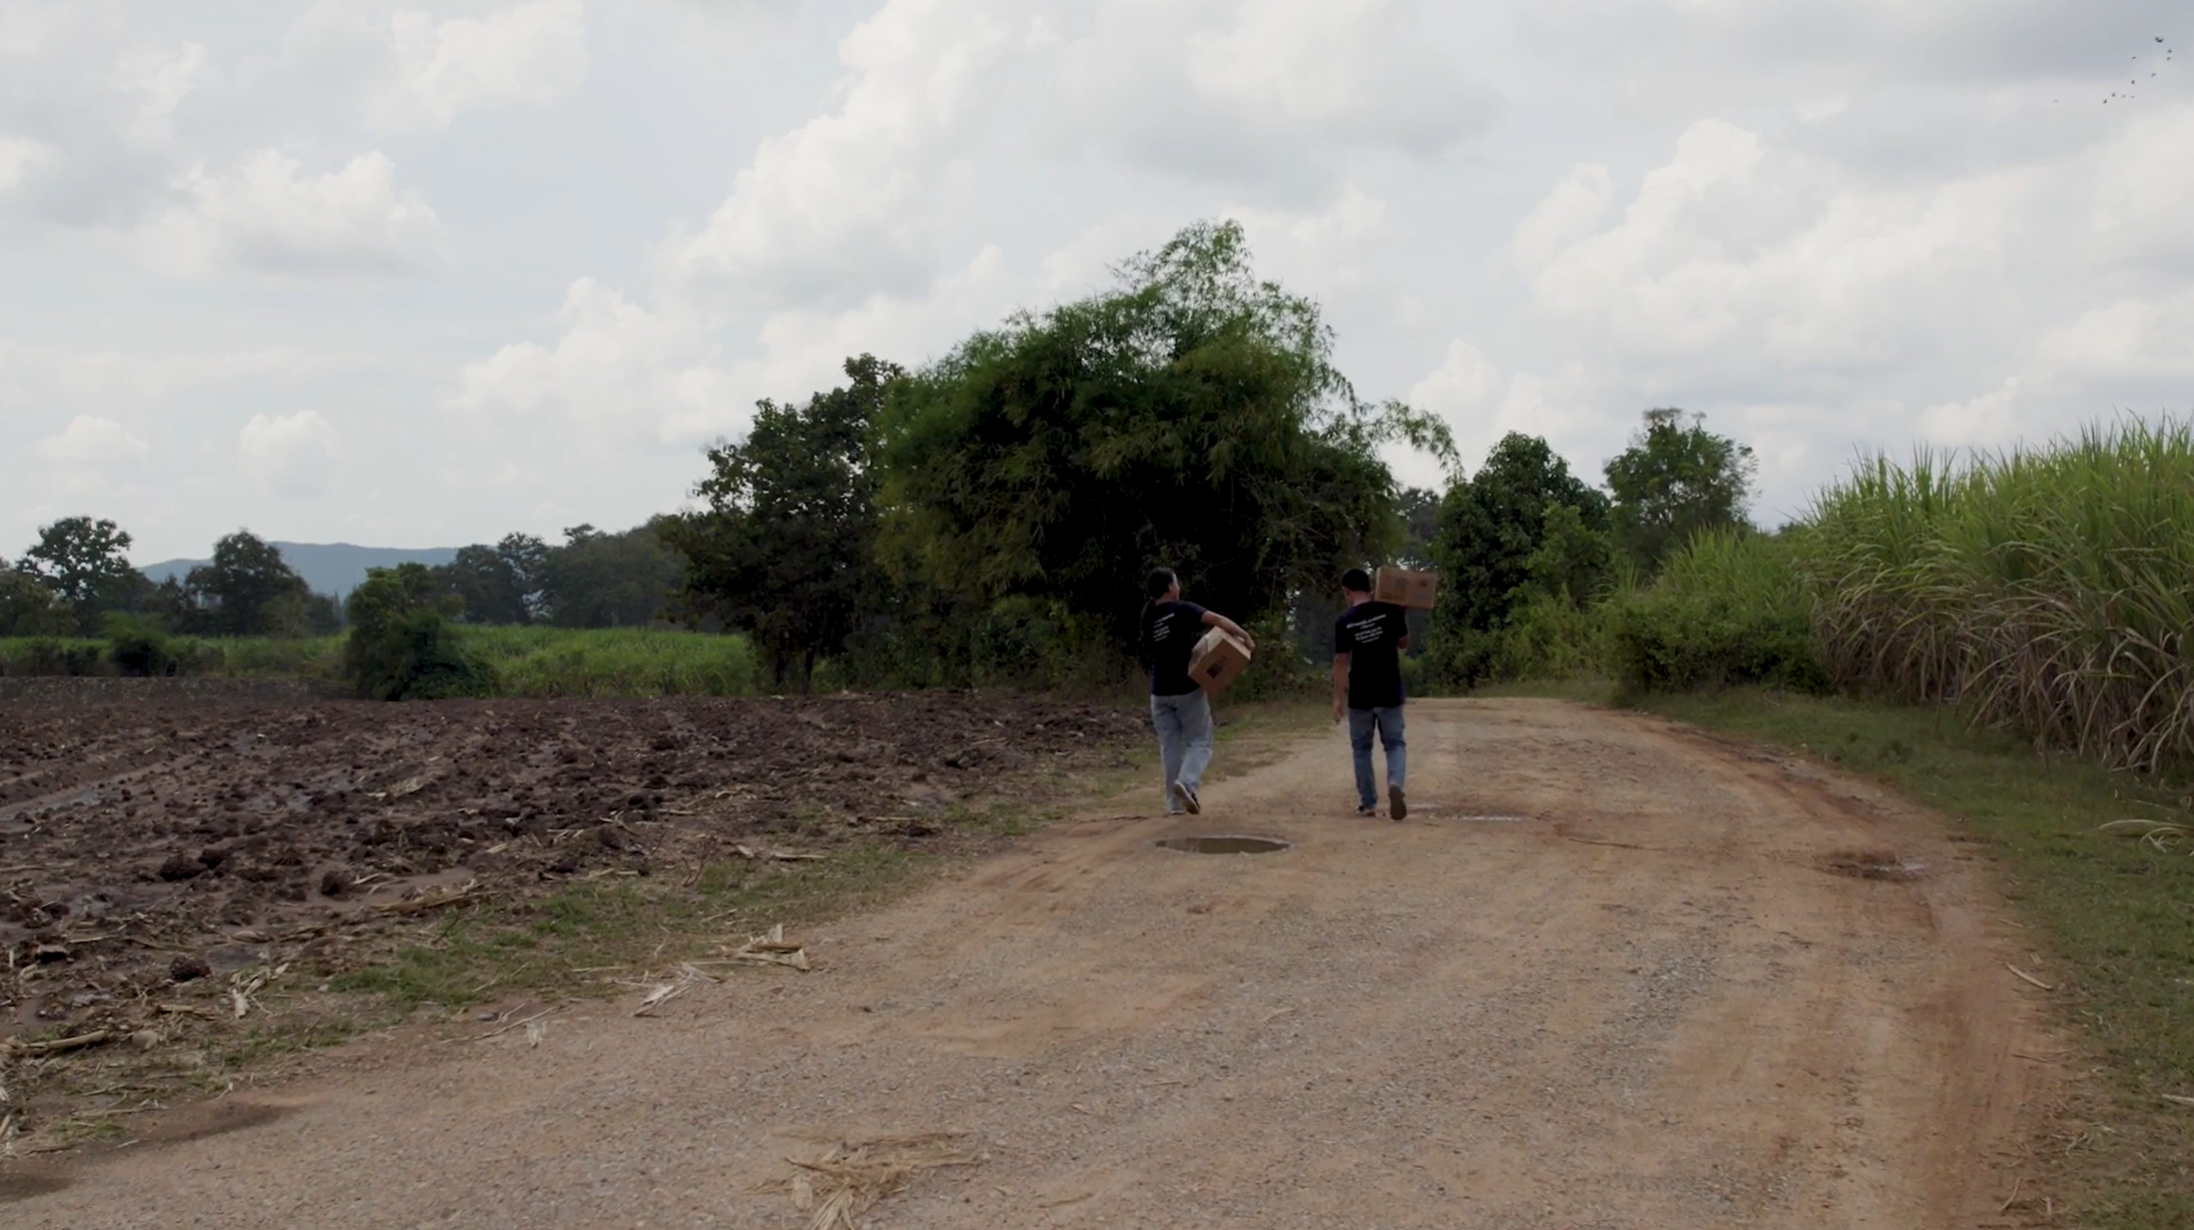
column 1225, row 845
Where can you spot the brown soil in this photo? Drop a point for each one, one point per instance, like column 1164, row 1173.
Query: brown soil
column 1607, row 975
column 154, row 841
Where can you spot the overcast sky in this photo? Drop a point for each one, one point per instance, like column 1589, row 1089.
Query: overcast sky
column 421, row 274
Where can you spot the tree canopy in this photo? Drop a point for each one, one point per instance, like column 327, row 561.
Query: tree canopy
column 85, row 563
column 1493, row 535
column 499, row 584
column 246, row 589
column 1676, row 479
column 784, row 549
column 1192, row 416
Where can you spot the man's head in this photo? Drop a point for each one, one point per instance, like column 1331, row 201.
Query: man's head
column 1356, row 583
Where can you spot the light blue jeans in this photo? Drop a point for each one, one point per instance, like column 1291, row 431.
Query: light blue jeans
column 1388, row 722
column 1184, row 740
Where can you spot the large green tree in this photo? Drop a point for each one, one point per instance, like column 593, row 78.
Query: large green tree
column 1492, row 531
column 1676, row 479
column 499, row 584
column 28, row 608
column 602, row 580
column 85, row 563
column 1192, row 416
column 784, row 550
column 248, row 589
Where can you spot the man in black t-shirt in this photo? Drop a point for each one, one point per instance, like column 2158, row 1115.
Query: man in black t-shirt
column 1367, row 685
column 1179, row 710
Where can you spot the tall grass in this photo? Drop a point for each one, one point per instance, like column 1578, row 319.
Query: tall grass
column 613, row 661
column 600, row 662
column 257, row 657
column 2047, row 588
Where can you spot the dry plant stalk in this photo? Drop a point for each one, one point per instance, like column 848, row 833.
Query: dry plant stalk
column 56, row 1045
column 2159, row 834
column 431, row 901
column 774, row 949
column 856, row 1172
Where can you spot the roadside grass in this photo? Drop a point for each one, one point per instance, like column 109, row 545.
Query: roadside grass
column 598, row 940
column 2114, row 913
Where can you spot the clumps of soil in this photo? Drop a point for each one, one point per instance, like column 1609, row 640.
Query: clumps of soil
column 1873, row 865
column 160, row 846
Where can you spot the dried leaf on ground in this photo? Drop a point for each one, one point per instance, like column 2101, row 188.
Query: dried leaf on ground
column 853, row 1173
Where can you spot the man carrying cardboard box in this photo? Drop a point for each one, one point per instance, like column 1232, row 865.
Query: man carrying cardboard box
column 1367, row 684
column 1179, row 710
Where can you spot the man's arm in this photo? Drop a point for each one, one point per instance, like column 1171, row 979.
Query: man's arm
column 1213, row 619
column 1340, row 685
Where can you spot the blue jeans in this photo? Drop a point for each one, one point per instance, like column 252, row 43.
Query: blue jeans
column 1388, row 722
column 1184, row 740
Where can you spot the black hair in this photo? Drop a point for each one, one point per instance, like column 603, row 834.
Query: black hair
column 1154, row 587
column 1356, row 579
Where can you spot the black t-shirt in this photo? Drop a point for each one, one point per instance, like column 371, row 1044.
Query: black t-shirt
column 1371, row 635
column 1170, row 633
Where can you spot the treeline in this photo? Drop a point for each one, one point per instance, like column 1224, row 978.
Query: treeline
column 986, row 519
column 76, row 580
column 593, row 580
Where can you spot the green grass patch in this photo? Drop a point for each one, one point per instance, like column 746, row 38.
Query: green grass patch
column 612, row 662
column 2117, row 914
column 589, row 662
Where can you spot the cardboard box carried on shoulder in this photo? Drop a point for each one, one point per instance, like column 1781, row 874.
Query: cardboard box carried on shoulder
column 1405, row 588
column 1217, row 660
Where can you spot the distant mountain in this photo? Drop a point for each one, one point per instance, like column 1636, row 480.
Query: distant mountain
column 329, row 567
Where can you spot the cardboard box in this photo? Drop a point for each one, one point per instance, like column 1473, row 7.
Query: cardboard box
column 1402, row 587
column 1217, row 660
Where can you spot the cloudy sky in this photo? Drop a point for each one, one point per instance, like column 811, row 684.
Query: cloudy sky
column 420, row 273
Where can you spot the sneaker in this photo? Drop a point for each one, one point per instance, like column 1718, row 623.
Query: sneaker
column 1368, row 809
column 1187, row 794
column 1396, row 802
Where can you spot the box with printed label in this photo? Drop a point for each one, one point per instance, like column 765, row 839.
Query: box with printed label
column 1406, row 588
column 1217, row 660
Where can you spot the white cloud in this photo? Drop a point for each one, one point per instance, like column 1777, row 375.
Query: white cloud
column 1278, row 92
column 1737, row 251
column 617, row 370
column 1459, row 384
column 17, row 156
column 1569, row 213
column 161, row 78
column 2127, row 337
column 533, row 52
column 1981, row 420
column 291, row 454
column 1273, row 93
column 835, row 208
column 266, row 217
column 91, row 442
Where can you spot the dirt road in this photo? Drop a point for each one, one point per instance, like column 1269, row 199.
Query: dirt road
column 1647, row 995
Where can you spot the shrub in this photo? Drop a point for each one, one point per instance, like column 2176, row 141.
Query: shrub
column 401, row 644
column 1729, row 607
column 138, row 648
column 49, row 655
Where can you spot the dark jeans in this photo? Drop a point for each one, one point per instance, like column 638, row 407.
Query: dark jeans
column 1388, row 722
